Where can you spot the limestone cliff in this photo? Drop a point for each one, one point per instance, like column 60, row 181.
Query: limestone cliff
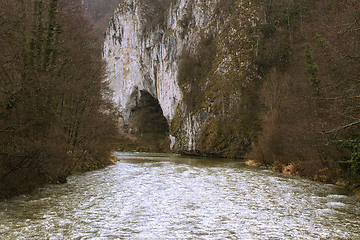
column 188, row 61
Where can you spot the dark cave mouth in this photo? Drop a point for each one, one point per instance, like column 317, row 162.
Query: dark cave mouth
column 147, row 116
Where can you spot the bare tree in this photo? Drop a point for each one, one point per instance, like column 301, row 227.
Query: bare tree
column 53, row 115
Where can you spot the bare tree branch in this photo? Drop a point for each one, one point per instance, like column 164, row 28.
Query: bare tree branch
column 350, row 26
column 343, row 127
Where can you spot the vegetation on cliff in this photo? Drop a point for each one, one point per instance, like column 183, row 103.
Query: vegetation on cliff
column 54, row 118
column 280, row 80
column 220, row 78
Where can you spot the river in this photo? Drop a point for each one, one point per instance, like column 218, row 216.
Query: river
column 168, row 196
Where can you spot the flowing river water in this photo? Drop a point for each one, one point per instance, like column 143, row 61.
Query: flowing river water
column 167, row 196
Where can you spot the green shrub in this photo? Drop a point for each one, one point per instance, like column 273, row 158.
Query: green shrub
column 351, row 164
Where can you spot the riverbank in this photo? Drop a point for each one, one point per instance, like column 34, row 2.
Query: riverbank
column 147, row 142
column 328, row 172
column 37, row 180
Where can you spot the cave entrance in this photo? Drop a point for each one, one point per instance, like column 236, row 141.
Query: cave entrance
column 147, row 116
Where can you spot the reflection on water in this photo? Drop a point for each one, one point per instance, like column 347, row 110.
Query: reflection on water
column 167, row 196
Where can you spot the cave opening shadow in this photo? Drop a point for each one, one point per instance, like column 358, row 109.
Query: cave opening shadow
column 147, row 116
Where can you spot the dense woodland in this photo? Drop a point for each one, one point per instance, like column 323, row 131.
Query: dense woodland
column 309, row 92
column 54, row 116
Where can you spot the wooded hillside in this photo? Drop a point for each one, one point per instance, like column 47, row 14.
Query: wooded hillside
column 53, row 117
column 309, row 60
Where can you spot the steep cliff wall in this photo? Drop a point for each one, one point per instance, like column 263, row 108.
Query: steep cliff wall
column 138, row 61
column 160, row 59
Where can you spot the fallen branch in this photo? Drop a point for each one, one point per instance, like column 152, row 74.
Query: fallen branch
column 343, row 127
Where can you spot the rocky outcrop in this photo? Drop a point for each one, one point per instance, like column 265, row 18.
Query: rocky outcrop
column 143, row 56
column 138, row 61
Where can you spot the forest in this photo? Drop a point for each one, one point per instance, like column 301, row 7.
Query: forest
column 54, row 114
column 309, row 95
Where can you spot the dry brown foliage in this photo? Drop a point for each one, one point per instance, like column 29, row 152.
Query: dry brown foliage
column 53, row 116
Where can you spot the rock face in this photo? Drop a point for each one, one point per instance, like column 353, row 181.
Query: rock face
column 145, row 56
column 141, row 62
